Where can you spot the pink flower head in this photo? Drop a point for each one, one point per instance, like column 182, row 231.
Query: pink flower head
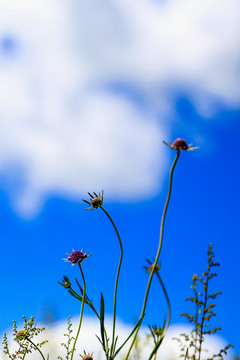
column 77, row 256
column 179, row 144
column 87, row 357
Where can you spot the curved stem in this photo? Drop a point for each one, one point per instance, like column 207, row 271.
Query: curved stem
column 168, row 304
column 159, row 248
column 81, row 313
column 117, row 277
column 36, row 347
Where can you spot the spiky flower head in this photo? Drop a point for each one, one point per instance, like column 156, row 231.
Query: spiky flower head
column 87, row 356
column 22, row 334
column 65, row 282
column 151, row 266
column 180, row 144
column 76, row 256
column 95, row 202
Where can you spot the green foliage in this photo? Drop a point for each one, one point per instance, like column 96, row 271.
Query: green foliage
column 24, row 339
column 70, row 338
column 191, row 347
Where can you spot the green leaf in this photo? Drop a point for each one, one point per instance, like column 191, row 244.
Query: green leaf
column 102, row 310
column 138, row 324
column 156, row 348
column 75, row 295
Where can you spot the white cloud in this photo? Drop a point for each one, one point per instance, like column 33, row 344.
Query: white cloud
column 63, row 131
column 87, row 341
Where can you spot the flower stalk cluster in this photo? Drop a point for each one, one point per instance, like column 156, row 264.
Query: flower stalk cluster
column 111, row 347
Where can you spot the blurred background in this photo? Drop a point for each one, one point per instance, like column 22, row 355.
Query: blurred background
column 88, row 92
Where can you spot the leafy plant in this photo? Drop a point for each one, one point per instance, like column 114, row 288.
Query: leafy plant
column 204, row 301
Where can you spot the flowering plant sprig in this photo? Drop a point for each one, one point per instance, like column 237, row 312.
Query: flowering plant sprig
column 203, row 300
column 24, row 338
column 96, row 201
column 180, row 144
column 76, row 256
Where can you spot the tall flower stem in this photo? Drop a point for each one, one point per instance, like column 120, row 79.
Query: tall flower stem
column 81, row 312
column 36, row 347
column 168, row 304
column 117, row 277
column 159, row 249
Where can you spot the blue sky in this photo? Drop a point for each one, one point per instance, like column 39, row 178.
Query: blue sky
column 86, row 99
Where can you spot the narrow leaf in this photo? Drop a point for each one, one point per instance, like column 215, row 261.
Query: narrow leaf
column 102, row 320
column 139, row 322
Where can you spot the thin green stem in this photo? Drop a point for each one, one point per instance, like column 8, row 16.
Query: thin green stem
column 158, row 343
column 37, row 348
column 168, row 304
column 155, row 356
column 117, row 277
column 158, row 251
column 203, row 317
column 89, row 304
column 20, row 347
column 81, row 313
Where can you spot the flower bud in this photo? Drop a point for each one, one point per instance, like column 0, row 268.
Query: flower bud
column 96, row 202
column 21, row 334
column 67, row 284
column 87, row 357
column 194, row 278
column 157, row 268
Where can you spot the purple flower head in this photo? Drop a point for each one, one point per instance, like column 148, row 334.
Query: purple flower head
column 77, row 256
column 87, row 357
column 180, row 144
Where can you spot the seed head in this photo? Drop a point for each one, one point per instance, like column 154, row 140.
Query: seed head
column 96, row 202
column 156, row 269
column 151, row 266
column 22, row 334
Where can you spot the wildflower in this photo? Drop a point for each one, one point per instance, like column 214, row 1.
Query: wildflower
column 150, row 268
column 87, row 356
column 180, row 144
column 95, row 202
column 76, row 257
column 65, row 282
